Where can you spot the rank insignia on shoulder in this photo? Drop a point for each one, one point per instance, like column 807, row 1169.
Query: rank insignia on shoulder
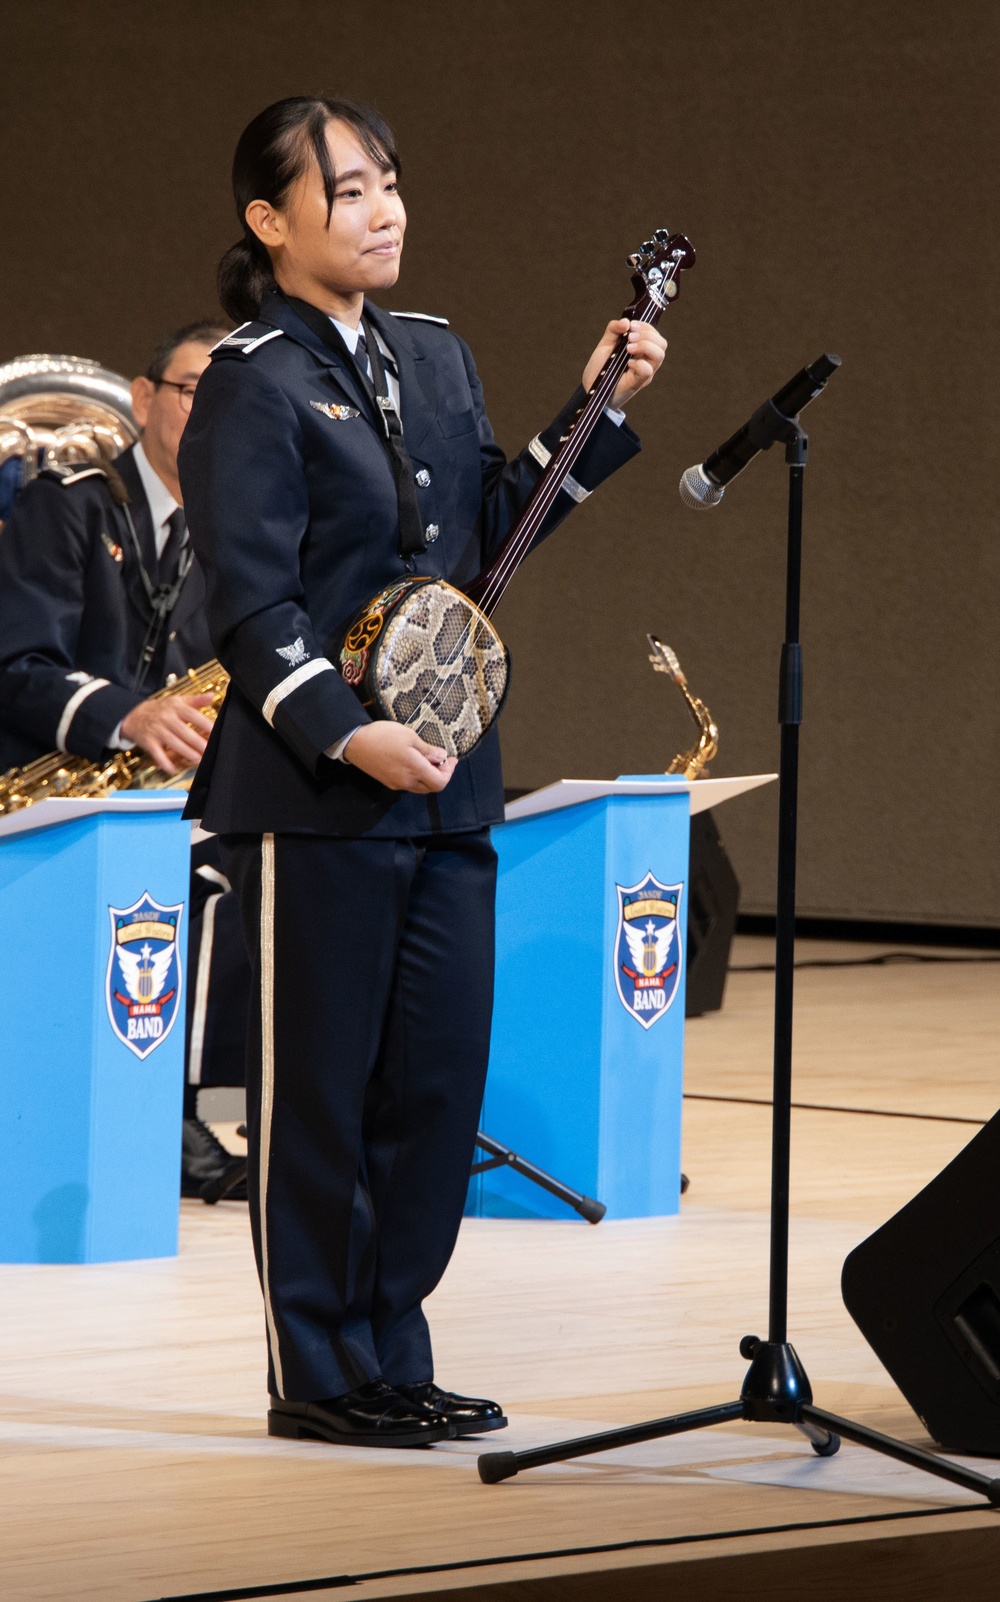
column 113, row 550
column 421, row 317
column 247, row 338
column 75, row 472
column 339, row 413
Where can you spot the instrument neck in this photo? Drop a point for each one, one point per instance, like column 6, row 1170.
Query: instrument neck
column 488, row 588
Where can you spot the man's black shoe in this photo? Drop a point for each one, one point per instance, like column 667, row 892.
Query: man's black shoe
column 208, row 1171
column 471, row 1415
column 373, row 1415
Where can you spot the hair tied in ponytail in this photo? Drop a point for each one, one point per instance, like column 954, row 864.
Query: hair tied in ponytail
column 244, row 274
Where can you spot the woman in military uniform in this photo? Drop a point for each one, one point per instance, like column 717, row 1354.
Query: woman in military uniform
column 360, row 854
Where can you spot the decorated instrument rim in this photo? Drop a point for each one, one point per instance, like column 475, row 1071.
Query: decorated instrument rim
column 441, row 668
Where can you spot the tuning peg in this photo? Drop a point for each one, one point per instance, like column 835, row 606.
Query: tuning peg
column 662, row 235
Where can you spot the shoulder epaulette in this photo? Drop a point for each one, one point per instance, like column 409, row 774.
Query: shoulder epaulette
column 69, row 473
column 73, row 472
column 243, row 341
column 422, row 317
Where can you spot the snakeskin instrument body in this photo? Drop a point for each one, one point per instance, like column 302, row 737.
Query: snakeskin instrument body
column 423, row 654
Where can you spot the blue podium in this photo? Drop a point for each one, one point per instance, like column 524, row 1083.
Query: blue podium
column 93, row 901
column 587, row 1053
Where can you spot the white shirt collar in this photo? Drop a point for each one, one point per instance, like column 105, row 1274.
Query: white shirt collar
column 349, row 335
column 161, row 502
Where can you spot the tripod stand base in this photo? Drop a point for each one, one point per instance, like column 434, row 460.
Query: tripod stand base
column 776, row 1391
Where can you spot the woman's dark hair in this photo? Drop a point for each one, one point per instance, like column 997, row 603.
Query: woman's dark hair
column 273, row 150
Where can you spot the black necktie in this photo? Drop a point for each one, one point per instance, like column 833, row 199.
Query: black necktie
column 411, row 524
column 363, row 359
column 368, row 356
column 170, row 556
column 361, row 355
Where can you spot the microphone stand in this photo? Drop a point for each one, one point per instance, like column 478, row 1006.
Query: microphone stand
column 776, row 1389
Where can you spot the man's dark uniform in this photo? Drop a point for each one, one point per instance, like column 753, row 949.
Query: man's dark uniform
column 75, row 616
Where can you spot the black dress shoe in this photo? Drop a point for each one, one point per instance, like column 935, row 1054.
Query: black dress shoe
column 471, row 1415
column 209, row 1172
column 373, row 1415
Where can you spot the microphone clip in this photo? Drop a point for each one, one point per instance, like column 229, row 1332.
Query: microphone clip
column 768, row 425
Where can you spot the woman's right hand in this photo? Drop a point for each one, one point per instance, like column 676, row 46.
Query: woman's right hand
column 399, row 758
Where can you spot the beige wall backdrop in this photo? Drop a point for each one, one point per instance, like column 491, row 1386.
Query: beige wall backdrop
column 833, row 165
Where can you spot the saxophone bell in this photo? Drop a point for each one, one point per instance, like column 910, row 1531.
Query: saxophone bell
column 693, row 764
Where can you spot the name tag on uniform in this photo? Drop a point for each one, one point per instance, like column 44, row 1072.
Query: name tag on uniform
column 339, row 414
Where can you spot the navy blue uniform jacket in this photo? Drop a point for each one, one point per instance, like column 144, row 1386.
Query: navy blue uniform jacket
column 294, row 517
column 74, row 614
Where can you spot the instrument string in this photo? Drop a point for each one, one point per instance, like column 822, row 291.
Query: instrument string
column 561, row 464
column 547, row 490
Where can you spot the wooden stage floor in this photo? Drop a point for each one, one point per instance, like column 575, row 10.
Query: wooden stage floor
column 132, row 1448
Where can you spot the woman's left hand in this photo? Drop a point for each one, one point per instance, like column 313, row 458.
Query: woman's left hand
column 646, row 350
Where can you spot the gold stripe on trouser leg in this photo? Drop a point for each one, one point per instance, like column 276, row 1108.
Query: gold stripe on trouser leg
column 267, row 1077
column 197, row 1049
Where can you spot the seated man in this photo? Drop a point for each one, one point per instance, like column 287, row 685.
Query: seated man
column 101, row 601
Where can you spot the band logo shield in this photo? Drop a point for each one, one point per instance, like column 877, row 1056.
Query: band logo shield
column 648, row 948
column 143, row 986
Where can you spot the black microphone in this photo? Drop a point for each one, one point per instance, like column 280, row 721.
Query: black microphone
column 704, row 486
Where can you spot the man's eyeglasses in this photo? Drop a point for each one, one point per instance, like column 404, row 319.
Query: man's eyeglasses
column 185, row 392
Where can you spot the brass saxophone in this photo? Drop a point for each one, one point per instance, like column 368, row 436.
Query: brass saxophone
column 61, row 775
column 692, row 764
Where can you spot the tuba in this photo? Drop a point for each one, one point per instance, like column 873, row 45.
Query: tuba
column 56, row 409
column 692, row 764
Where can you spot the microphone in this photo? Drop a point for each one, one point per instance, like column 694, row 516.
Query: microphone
column 703, row 486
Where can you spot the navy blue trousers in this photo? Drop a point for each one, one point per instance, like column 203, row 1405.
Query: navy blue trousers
column 368, row 1041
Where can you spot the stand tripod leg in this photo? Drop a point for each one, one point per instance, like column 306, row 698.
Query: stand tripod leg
column 502, row 1156
column 495, row 1466
column 913, row 1455
column 823, row 1442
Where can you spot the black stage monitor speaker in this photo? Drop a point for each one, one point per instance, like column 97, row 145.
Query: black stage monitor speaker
column 924, row 1291
column 713, row 901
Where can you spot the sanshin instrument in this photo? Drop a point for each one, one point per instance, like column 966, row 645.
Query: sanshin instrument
column 424, row 653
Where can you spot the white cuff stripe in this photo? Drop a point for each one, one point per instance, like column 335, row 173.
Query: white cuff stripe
column 288, row 686
column 574, row 490
column 72, row 707
column 543, row 457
